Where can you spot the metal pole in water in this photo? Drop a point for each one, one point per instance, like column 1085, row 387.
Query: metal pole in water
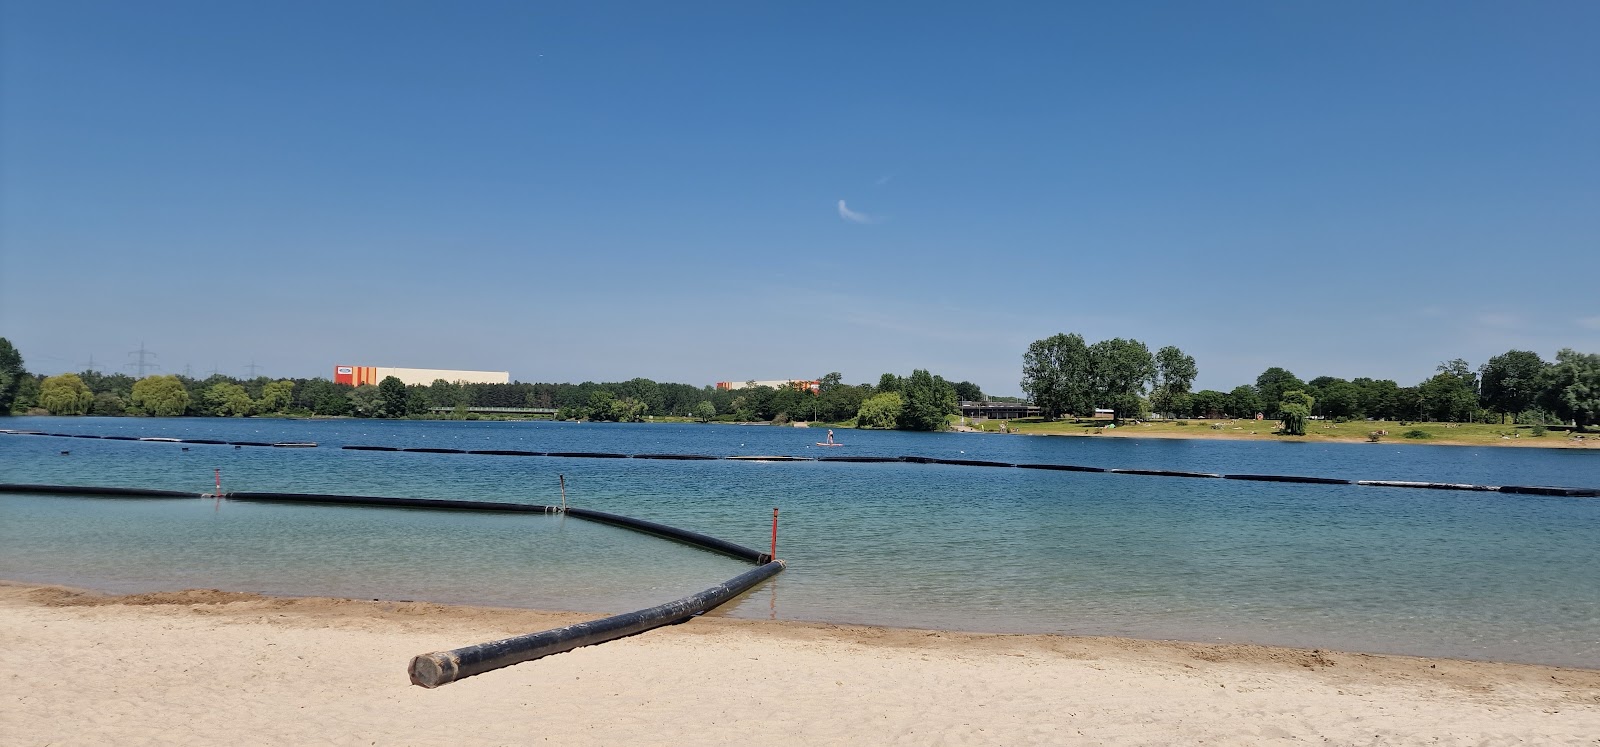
column 219, row 482
column 563, row 493
column 774, row 555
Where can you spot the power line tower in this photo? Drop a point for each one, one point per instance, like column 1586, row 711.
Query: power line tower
column 140, row 365
column 188, row 370
column 90, row 365
column 252, row 368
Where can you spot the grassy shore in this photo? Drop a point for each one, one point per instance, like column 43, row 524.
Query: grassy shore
column 1356, row 431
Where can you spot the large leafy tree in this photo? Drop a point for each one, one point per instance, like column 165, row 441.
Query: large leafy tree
column 1340, row 399
column 393, row 393
column 1175, row 373
column 704, row 411
column 161, row 396
column 926, row 400
column 1571, row 388
column 1510, row 381
column 1121, row 369
column 1451, row 395
column 1296, row 408
column 276, row 396
column 11, row 375
column 967, row 391
column 1208, row 403
column 1243, row 401
column 65, row 394
column 1057, row 376
column 366, row 401
column 227, row 399
column 879, row 411
column 1271, row 385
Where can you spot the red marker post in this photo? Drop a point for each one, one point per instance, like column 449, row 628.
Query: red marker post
column 774, row 554
column 219, row 483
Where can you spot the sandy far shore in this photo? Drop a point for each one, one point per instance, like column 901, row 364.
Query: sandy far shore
column 210, row 667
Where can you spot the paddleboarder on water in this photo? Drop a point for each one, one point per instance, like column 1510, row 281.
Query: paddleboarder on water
column 830, row 436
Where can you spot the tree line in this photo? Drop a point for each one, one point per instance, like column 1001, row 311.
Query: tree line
column 920, row 401
column 1065, row 376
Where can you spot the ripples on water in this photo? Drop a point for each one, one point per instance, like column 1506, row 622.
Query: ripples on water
column 1479, row 575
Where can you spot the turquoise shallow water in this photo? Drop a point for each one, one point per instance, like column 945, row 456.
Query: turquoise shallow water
column 1476, row 575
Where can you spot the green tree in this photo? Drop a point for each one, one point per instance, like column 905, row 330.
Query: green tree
column 1271, row 385
column 1340, row 399
column 1058, row 377
column 926, row 400
column 1208, row 403
column 888, row 383
column 366, row 401
column 160, row 396
column 1243, row 402
column 1121, row 370
column 600, row 401
column 704, row 411
column 967, row 391
column 627, row 410
column 276, row 396
column 227, row 399
column 65, row 394
column 109, row 404
column 1296, row 408
column 1175, row 373
column 879, row 411
column 323, row 397
column 1571, row 388
column 394, row 395
column 11, row 375
column 1510, row 382
column 1451, row 395
column 27, row 393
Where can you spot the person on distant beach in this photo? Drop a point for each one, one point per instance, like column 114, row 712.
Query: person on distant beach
column 830, row 436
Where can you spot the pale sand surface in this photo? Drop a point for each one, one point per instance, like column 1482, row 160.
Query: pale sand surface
column 208, row 667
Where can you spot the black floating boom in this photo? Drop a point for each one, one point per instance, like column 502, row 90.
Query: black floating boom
column 99, row 491
column 444, row 667
column 703, row 541
column 1063, row 467
column 1162, row 473
column 1289, row 478
column 371, row 500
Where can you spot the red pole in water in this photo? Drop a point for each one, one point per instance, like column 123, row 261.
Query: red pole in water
column 774, row 555
column 219, row 483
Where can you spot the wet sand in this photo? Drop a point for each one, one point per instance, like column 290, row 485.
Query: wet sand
column 210, row 667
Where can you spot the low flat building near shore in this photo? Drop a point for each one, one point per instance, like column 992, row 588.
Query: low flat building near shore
column 999, row 410
column 360, row 375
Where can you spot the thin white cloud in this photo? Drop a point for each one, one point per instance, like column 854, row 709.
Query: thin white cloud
column 1590, row 322
column 885, row 179
column 850, row 215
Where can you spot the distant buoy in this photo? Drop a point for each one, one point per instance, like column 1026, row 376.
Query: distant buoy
column 64, row 453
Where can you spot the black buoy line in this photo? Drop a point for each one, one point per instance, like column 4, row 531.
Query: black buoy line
column 1548, row 490
column 437, row 668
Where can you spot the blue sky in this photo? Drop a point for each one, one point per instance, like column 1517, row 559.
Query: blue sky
column 704, row 192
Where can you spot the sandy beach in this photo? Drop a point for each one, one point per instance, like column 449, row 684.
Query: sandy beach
column 208, row 667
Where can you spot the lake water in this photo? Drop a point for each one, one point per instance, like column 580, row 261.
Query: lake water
column 1463, row 574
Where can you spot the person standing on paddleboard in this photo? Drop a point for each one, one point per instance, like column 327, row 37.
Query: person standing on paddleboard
column 830, row 436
